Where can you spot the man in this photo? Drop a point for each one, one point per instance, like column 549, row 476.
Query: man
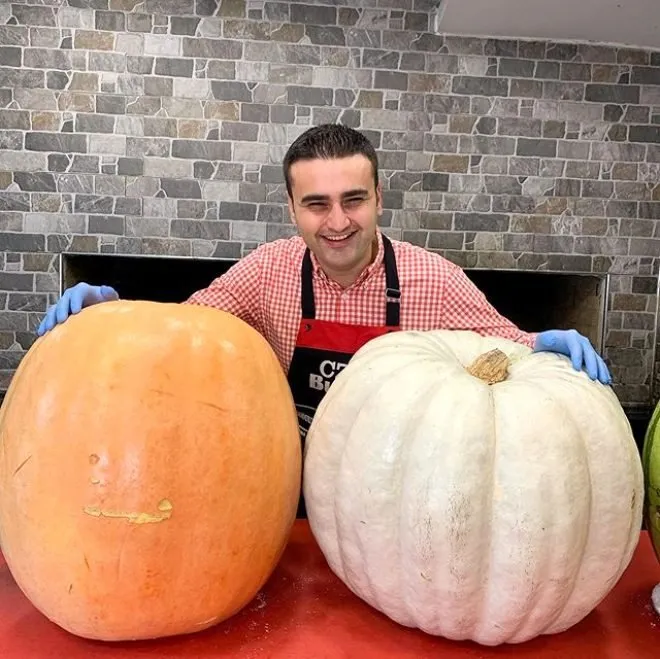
column 319, row 296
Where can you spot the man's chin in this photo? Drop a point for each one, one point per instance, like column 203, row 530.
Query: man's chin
column 341, row 260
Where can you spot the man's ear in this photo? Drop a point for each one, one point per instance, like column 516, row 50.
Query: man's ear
column 379, row 199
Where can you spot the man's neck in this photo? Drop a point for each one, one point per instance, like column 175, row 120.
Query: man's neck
column 344, row 279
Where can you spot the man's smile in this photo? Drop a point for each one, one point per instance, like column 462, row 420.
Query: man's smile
column 338, row 240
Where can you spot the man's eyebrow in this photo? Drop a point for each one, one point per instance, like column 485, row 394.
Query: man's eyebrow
column 357, row 192
column 313, row 197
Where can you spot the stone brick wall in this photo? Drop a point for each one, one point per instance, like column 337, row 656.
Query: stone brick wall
column 158, row 127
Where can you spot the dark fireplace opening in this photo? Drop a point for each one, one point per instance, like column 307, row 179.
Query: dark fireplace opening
column 538, row 301
column 535, row 301
column 155, row 278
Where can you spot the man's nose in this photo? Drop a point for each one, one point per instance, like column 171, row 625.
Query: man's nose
column 337, row 219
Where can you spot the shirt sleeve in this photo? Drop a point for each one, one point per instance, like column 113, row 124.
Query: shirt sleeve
column 237, row 291
column 465, row 307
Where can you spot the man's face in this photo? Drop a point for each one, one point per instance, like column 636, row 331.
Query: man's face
column 336, row 207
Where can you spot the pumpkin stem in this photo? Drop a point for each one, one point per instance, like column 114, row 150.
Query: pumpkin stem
column 491, row 367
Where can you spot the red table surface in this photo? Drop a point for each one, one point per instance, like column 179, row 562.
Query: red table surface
column 305, row 612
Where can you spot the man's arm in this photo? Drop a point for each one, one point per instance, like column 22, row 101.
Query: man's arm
column 464, row 306
column 237, row 291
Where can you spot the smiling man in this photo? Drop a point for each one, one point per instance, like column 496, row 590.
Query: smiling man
column 334, row 203
column 321, row 295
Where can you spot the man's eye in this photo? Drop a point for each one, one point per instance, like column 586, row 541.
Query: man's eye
column 353, row 202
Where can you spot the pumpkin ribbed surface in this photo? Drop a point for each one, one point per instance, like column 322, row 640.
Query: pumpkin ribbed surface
column 149, row 469
column 492, row 512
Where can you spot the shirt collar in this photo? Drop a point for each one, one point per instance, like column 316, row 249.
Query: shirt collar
column 364, row 275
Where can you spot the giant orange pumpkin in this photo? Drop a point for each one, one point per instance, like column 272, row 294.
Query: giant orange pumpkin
column 149, row 469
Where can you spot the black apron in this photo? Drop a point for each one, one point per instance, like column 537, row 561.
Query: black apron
column 324, row 348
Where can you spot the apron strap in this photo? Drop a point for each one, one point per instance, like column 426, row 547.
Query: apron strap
column 307, row 287
column 392, row 292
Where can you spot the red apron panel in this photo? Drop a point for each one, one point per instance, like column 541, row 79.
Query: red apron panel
column 337, row 337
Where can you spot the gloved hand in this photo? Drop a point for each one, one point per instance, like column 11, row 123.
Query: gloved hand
column 572, row 344
column 72, row 301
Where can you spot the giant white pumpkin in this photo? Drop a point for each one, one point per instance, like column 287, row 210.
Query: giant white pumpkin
column 471, row 488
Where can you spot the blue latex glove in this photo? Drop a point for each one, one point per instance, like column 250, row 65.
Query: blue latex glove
column 582, row 354
column 72, row 301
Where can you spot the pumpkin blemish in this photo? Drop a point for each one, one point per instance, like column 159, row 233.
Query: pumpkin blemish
column 165, row 508
column 20, row 466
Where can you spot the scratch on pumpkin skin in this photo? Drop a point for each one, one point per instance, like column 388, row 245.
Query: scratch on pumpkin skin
column 212, row 405
column 162, row 392
column 20, row 466
column 201, row 402
column 165, row 508
column 206, row 622
column 120, row 555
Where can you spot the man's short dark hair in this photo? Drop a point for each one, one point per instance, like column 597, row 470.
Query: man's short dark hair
column 329, row 141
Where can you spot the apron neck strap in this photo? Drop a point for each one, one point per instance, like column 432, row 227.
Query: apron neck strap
column 307, row 287
column 392, row 292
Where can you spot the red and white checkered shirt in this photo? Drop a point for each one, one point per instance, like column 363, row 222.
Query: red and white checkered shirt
column 263, row 289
